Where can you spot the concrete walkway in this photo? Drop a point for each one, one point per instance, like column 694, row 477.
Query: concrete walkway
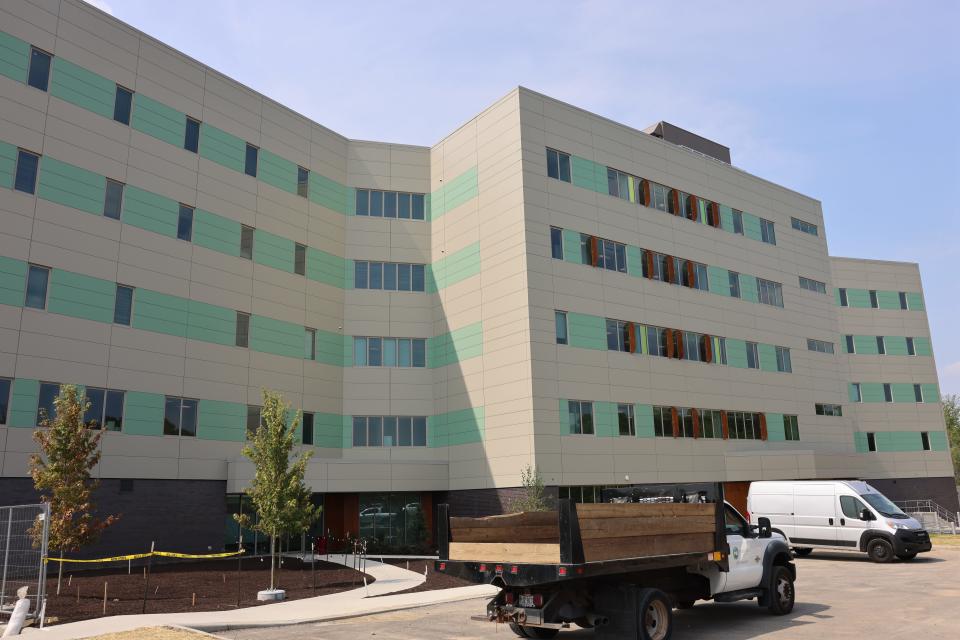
column 389, row 579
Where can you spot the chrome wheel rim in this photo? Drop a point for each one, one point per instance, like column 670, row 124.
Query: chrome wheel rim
column 784, row 591
column 655, row 620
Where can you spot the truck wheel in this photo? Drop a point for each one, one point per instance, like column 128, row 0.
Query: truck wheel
column 802, row 552
column 879, row 550
column 781, row 591
column 517, row 629
column 656, row 615
column 907, row 556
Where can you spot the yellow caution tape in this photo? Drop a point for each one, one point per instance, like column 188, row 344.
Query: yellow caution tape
column 138, row 556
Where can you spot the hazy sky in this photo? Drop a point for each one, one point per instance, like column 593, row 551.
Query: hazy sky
column 853, row 103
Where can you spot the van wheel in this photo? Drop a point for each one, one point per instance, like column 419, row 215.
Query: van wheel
column 906, row 557
column 655, row 614
column 879, row 550
column 802, row 552
column 782, row 593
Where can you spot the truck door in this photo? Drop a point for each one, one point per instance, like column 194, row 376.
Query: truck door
column 746, row 552
column 815, row 519
column 851, row 526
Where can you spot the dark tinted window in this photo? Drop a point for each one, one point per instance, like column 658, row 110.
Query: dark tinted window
column 556, row 243
column 360, row 274
column 185, row 223
column 363, row 202
column 113, row 199
column 307, row 428
column 925, row 440
column 418, row 206
column 299, row 259
column 27, row 167
column 39, row 73
column 122, row 104
column 303, row 177
column 123, row 305
column 417, row 273
column 250, row 161
column 113, row 411
column 191, row 137
column 243, row 329
column 246, row 242
column 188, row 418
column 37, row 279
column 4, row 399
column 93, row 418
column 48, row 393
column 171, row 416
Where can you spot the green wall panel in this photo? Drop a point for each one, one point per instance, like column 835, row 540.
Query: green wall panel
column 153, row 311
column 899, row 441
column 334, row 349
column 571, row 246
column 209, row 323
column 13, row 281
column 219, row 146
column 71, row 186
column 276, row 336
column 865, row 345
column 328, row 193
column 915, row 301
column 456, row 192
column 454, row 268
column 150, row 211
column 860, row 442
column 8, row 164
column 858, row 298
column 455, row 346
column 931, row 392
column 455, row 427
column 80, row 296
column 634, row 261
column 587, row 332
column 902, row 392
column 605, row 424
column 23, row 403
column 836, row 297
column 222, row 421
column 143, row 414
column 347, row 431
column 14, row 57
column 719, row 281
column 748, row 288
column 751, row 226
column 643, row 419
column 158, row 120
column 852, row 393
column 726, row 218
column 273, row 250
column 938, row 440
column 588, row 174
column 83, row 88
column 216, row 233
column 922, row 346
column 736, row 353
column 768, row 357
column 872, row 392
column 888, row 299
column 329, row 269
column 895, row 345
column 328, row 430
column 775, row 429
column 278, row 172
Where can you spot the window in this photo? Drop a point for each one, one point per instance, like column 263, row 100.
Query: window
column 610, row 255
column 851, row 344
column 791, row 430
column 254, row 419
column 887, row 392
column 871, row 442
column 389, row 352
column 701, row 281
column 801, row 225
column 309, row 343
column 106, row 409
column 389, row 276
column 733, row 522
column 820, row 346
column 711, row 424
column 911, row 347
column 873, row 299
column 616, row 338
column 834, row 410
column 743, row 425
column 250, row 160
column 28, row 164
column 558, row 165
column 4, row 399
column 813, row 285
column 122, row 104
column 37, row 278
column 903, row 300
column 46, row 410
column 769, row 292
column 113, row 199
column 783, row 360
column 38, row 75
column 389, row 204
column 123, row 305
column 303, row 181
column 556, row 243
column 857, row 395
column 734, row 278
column 306, row 428
column 685, row 422
column 243, row 329
column 246, row 242
column 738, row 222
column 389, row 431
column 767, row 233
column 691, row 346
column 659, row 196
column 881, row 346
column 299, row 259
column 580, row 415
column 625, row 420
column 618, row 184
column 663, row 422
column 918, row 393
column 180, row 417
column 753, row 358
column 844, row 302
column 925, row 440
column 185, row 223
column 191, row 136
column 657, row 341
column 560, row 321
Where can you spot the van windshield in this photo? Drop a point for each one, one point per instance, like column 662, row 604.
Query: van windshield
column 883, row 506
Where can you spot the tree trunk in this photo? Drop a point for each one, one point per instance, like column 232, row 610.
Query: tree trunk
column 272, row 539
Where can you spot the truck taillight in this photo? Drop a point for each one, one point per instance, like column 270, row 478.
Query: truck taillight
column 514, row 570
column 483, row 568
column 537, row 600
column 443, row 566
column 508, row 597
column 499, row 569
column 562, row 571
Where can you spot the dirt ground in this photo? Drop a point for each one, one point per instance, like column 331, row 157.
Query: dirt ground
column 434, row 580
column 171, row 587
column 154, row 633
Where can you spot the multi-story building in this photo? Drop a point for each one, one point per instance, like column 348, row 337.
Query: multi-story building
column 541, row 287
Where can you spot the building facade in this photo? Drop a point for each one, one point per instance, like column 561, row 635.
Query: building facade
column 541, row 287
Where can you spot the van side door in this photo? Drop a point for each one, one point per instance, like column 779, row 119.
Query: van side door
column 851, row 526
column 815, row 519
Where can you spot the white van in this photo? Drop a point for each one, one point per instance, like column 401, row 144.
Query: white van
column 837, row 514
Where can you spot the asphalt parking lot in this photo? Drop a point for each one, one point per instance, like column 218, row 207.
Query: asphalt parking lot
column 839, row 595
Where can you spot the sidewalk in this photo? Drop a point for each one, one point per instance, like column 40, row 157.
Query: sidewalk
column 389, row 579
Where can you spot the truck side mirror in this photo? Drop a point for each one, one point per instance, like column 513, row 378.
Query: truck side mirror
column 764, row 528
column 866, row 515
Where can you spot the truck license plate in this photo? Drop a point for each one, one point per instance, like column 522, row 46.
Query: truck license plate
column 526, row 601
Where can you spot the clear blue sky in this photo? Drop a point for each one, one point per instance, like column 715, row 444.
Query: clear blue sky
column 854, row 103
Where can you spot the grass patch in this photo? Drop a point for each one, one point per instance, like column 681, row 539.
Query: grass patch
column 941, row 540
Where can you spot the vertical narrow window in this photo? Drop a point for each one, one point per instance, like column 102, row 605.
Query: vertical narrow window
column 403, row 206
column 359, row 431
column 38, row 75
column 903, row 300
column 243, row 329
column 783, row 360
column 191, row 135
column 753, row 359
column 416, row 276
column 560, row 320
column 873, row 299
column 376, row 275
column 374, row 352
column 113, row 411
column 46, row 410
column 93, row 417
column 389, row 349
column 250, row 160
column 363, row 202
column 767, row 233
column 36, row 296
column 857, row 395
column 376, row 204
column 871, row 441
column 360, row 269
column 4, row 399
column 309, row 343
column 299, row 259
column 734, row 279
column 253, row 418
column 123, row 305
column 791, row 430
column 375, row 431
column 389, row 204
column 171, row 416
column 881, row 346
column 738, row 222
column 844, row 302
column 403, row 277
column 306, row 428
column 419, row 352
column 625, row 420
column 246, row 242
column 851, row 345
column 556, row 243
column 188, row 418
column 185, row 223
column 558, row 165
column 359, row 352
column 403, row 352
column 887, row 392
column 925, row 440
column 418, row 205
column 918, row 393
column 303, row 181
column 389, row 276
column 28, row 164
column 113, row 199
column 911, row 347
column 122, row 105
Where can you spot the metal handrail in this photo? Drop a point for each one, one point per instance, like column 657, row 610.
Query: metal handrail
column 927, row 506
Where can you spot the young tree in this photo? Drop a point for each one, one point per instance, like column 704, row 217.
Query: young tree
column 532, row 498
column 61, row 474
column 951, row 415
column 281, row 499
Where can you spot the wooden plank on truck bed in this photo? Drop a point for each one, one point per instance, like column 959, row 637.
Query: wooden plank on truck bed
column 591, row 528
column 525, row 519
column 641, row 509
column 518, row 552
column 644, row 546
column 548, row 534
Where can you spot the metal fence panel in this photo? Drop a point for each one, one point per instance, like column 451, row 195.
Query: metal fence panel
column 23, row 543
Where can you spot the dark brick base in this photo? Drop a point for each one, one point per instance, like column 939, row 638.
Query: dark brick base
column 943, row 491
column 179, row 515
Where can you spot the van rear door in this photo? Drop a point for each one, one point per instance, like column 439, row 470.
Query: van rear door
column 815, row 515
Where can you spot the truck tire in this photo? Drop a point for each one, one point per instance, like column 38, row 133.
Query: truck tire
column 517, row 629
column 802, row 552
column 782, row 593
column 655, row 615
column 880, row 550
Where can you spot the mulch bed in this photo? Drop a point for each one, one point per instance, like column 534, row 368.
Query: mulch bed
column 434, row 580
column 172, row 586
